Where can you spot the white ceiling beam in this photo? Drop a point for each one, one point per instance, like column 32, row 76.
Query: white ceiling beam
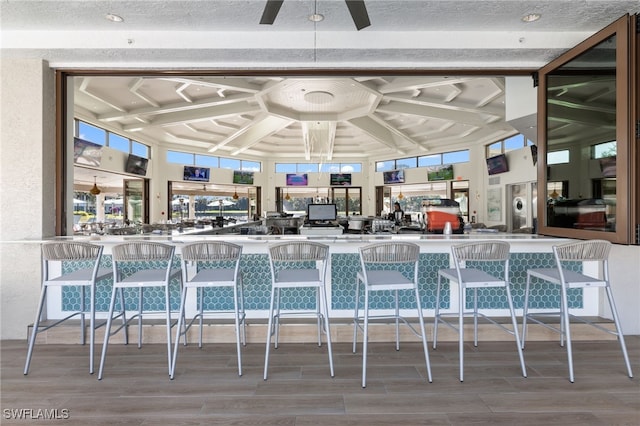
column 175, row 107
column 432, row 112
column 253, row 133
column 202, row 114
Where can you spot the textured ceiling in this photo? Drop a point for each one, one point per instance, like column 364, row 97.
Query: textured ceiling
column 227, row 33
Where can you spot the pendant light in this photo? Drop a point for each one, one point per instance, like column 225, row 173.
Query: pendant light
column 287, row 197
column 95, row 190
column 235, row 195
column 400, row 195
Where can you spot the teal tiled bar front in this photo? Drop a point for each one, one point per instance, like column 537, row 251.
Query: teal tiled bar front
column 526, row 251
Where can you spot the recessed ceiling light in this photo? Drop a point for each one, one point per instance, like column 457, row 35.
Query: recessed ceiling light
column 113, row 17
column 316, row 17
column 531, row 17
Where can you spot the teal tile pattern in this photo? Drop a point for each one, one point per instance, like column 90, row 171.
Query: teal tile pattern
column 257, row 287
column 153, row 300
column 345, row 267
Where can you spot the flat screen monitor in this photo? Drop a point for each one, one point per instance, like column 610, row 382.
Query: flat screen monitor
column 393, row 176
column 497, row 164
column 321, row 212
column 440, row 172
column 242, row 177
column 86, row 153
column 197, row 174
column 136, row 165
column 340, row 179
column 297, row 179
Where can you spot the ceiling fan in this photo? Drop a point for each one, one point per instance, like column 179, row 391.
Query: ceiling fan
column 357, row 9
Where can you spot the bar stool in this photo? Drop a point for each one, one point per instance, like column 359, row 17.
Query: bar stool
column 382, row 267
column 298, row 265
column 80, row 267
column 140, row 265
column 472, row 261
column 563, row 276
column 213, row 265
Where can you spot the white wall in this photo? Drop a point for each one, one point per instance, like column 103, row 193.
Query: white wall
column 27, row 173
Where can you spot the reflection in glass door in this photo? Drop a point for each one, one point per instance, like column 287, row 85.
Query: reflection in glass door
column 134, row 205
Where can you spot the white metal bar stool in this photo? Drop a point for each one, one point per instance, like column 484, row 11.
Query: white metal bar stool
column 140, row 265
column 211, row 265
column 565, row 278
column 381, row 270
column 490, row 254
column 79, row 265
column 297, row 265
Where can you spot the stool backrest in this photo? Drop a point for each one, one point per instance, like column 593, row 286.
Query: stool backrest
column 298, row 251
column 68, row 250
column 396, row 252
column 142, row 251
column 71, row 251
column 590, row 250
column 481, row 251
column 217, row 251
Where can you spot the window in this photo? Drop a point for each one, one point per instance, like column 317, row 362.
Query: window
column 100, row 136
column 383, row 166
column 318, row 167
column 407, row 163
column 558, row 157
column 307, row 168
column 429, row 160
column 424, row 161
column 455, row 157
column 229, row 163
column 514, row 142
column 250, row 166
column 511, row 143
column 139, row 149
column 603, row 150
column 206, row 160
column 91, row 133
column 179, row 157
column 118, row 142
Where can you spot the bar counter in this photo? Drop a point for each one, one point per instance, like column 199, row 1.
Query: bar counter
column 526, row 251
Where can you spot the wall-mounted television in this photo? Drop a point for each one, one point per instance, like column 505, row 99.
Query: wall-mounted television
column 136, row 165
column 440, row 172
column 195, row 173
column 242, row 177
column 340, row 179
column 86, row 153
column 608, row 166
column 321, row 213
column 297, row 179
column 393, row 176
column 497, row 164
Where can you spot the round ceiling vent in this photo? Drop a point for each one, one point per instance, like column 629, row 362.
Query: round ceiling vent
column 318, row 97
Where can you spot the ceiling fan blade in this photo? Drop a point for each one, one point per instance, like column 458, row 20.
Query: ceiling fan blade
column 270, row 12
column 358, row 12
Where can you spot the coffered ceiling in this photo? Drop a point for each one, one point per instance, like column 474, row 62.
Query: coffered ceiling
column 316, row 115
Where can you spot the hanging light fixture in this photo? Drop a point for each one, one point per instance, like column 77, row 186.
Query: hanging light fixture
column 400, row 195
column 235, row 195
column 95, row 190
column 287, row 197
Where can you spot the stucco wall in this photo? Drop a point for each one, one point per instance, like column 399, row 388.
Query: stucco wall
column 27, row 173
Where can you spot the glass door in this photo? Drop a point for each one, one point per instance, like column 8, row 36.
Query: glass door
column 135, row 210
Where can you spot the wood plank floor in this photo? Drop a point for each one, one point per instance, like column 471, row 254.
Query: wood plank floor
column 207, row 390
